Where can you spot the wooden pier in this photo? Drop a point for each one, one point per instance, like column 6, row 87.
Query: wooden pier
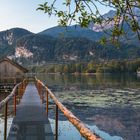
column 31, row 122
column 31, row 119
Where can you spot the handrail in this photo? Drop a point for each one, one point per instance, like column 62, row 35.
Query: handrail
column 3, row 102
column 9, row 97
column 84, row 131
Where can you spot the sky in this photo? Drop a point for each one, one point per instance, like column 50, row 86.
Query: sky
column 23, row 14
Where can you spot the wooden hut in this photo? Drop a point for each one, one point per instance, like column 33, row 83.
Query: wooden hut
column 10, row 70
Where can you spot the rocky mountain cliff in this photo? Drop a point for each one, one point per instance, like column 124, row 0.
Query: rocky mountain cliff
column 8, row 40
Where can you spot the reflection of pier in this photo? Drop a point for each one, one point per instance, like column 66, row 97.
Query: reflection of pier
column 31, row 121
column 6, row 88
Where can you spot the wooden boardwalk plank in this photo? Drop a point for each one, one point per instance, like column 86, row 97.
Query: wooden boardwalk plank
column 31, row 122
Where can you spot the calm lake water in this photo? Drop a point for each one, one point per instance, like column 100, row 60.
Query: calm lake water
column 107, row 104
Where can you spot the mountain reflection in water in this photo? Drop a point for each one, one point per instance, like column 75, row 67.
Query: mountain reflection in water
column 111, row 102
column 108, row 104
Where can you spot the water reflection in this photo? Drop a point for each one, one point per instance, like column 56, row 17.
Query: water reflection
column 107, row 80
column 68, row 132
column 10, row 119
column 111, row 102
column 5, row 90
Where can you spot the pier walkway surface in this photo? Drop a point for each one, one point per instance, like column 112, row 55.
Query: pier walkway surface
column 31, row 121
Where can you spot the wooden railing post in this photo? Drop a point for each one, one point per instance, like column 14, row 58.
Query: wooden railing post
column 39, row 87
column 19, row 93
column 40, row 91
column 15, row 104
column 5, row 120
column 21, row 89
column 42, row 94
column 47, row 103
column 56, row 123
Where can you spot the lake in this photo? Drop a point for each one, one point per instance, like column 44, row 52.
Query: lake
column 108, row 104
column 109, row 101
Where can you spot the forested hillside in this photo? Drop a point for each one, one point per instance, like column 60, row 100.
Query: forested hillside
column 67, row 44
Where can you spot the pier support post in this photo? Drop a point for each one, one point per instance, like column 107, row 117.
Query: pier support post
column 56, row 123
column 47, row 103
column 15, row 104
column 5, row 120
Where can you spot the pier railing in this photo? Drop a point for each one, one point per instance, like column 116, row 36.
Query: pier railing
column 15, row 95
column 81, row 127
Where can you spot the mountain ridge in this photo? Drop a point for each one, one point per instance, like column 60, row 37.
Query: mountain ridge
column 70, row 44
column 72, row 31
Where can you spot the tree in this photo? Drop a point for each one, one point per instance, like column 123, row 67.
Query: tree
column 84, row 12
column 66, row 69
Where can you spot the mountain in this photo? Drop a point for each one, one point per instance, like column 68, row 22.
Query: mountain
column 105, row 25
column 8, row 40
column 72, row 31
column 9, row 37
column 36, row 47
column 61, row 44
column 95, row 32
column 136, row 11
column 29, row 48
column 40, row 49
column 110, row 14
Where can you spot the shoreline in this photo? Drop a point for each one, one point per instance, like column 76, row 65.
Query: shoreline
column 87, row 73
